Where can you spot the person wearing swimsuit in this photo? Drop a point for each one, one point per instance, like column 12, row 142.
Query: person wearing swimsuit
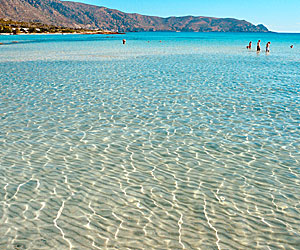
column 250, row 45
column 268, row 47
column 258, row 45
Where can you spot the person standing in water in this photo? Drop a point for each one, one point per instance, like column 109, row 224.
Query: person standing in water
column 250, row 45
column 124, row 41
column 258, row 46
column 268, row 47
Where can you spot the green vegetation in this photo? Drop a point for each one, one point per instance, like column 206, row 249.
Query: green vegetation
column 14, row 27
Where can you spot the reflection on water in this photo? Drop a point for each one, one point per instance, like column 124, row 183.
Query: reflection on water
column 178, row 145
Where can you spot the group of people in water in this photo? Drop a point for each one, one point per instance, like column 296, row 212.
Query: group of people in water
column 267, row 46
column 258, row 48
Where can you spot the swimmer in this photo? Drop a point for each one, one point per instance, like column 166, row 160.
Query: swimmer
column 258, row 45
column 250, row 45
column 292, row 46
column 124, row 41
column 268, row 47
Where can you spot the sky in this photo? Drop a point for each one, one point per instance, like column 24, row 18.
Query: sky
column 276, row 15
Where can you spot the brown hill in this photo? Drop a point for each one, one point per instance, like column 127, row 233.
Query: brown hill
column 79, row 15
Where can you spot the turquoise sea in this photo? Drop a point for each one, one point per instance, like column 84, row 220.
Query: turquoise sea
column 172, row 141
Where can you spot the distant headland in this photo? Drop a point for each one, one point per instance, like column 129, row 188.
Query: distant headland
column 75, row 15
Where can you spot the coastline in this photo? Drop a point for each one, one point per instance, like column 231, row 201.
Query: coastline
column 67, row 33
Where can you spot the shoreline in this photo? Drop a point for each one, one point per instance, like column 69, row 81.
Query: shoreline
column 61, row 33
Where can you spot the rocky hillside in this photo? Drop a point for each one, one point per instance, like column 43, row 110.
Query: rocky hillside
column 79, row 15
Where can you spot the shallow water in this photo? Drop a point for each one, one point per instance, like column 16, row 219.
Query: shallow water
column 173, row 141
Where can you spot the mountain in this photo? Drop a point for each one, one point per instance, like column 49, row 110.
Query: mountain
column 79, row 15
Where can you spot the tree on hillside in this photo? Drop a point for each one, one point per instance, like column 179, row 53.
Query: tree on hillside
column 5, row 29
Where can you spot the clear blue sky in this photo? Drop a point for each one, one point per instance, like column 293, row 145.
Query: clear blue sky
column 277, row 15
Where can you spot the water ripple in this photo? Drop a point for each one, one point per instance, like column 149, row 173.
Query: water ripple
column 175, row 148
